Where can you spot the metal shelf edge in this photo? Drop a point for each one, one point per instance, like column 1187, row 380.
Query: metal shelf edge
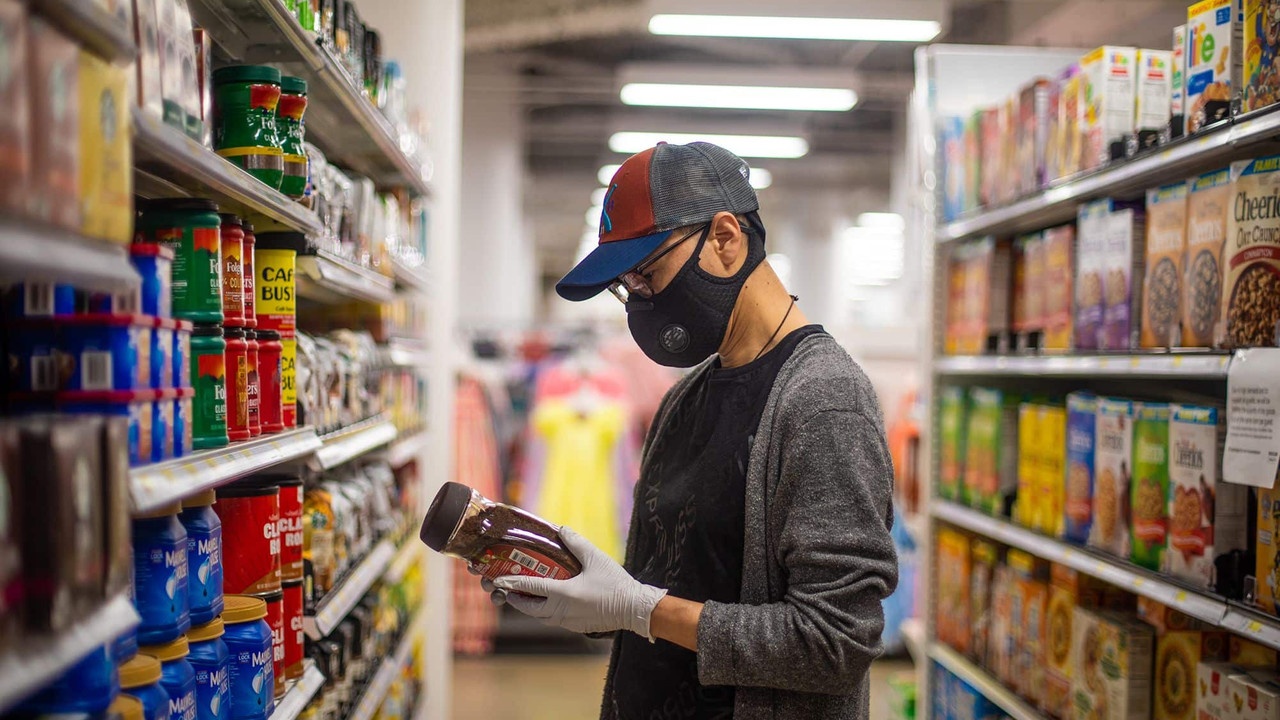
column 31, row 250
column 983, row 682
column 405, row 556
column 342, row 599
column 297, row 697
column 407, row 448
column 1209, row 366
column 375, row 691
column 351, row 445
column 107, row 35
column 152, row 486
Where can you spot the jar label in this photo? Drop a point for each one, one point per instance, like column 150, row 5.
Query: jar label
column 210, row 407
column 182, row 705
column 233, row 279
column 291, row 533
column 204, row 554
column 288, row 377
column 251, row 543
column 293, row 634
column 252, row 675
column 160, row 584
column 500, row 560
column 275, row 618
column 275, row 301
column 213, row 690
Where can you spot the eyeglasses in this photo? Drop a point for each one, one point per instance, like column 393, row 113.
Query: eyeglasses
column 636, row 282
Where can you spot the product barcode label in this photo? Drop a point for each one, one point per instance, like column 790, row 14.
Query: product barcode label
column 529, row 563
column 38, row 298
column 43, row 373
column 95, row 370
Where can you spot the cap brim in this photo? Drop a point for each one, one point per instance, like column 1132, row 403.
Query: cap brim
column 600, row 268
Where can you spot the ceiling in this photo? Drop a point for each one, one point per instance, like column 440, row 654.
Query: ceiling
column 567, row 52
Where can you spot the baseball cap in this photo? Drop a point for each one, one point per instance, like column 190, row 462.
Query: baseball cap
column 653, row 193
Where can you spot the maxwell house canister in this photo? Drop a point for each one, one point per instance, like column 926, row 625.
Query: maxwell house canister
column 250, row 646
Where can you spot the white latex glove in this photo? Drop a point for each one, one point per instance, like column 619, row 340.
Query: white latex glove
column 601, row 599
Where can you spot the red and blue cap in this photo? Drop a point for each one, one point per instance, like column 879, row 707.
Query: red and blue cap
column 652, row 194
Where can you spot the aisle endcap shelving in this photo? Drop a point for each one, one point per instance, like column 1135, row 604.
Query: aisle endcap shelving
column 339, row 601
column 1190, row 366
column 1057, row 204
column 108, row 36
column 40, row 660
column 297, row 697
column 169, row 153
column 408, row 554
column 153, row 486
column 376, row 691
column 330, row 279
column 35, row 251
column 346, row 445
column 997, row 693
column 408, row 448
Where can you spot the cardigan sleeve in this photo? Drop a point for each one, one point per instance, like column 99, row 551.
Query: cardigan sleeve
column 833, row 508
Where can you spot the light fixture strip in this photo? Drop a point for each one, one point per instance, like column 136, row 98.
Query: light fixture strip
column 795, row 28
column 760, row 146
column 739, row 97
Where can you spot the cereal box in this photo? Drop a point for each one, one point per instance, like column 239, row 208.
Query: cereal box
column 1093, row 224
column 1246, row 653
column 106, row 163
column 1213, row 692
column 1052, row 462
column 1033, row 135
column 1123, row 266
column 1267, row 570
column 1110, row 77
column 992, row 126
column 1113, row 670
column 1214, row 68
column 954, row 170
column 1178, row 91
column 1000, row 639
column 1155, row 85
column 1150, row 487
column 980, row 274
column 1166, row 250
column 1113, row 447
column 1261, row 42
column 1032, row 581
column 1178, row 654
column 1082, row 408
column 972, row 160
column 1007, row 179
column 1028, row 508
column 1058, row 660
column 1070, row 134
column 1206, row 517
column 952, row 406
column 1208, row 204
column 1028, row 286
column 990, row 468
column 986, row 556
column 953, row 589
column 1255, row 695
column 1059, row 249
column 1166, row 619
column 1251, row 295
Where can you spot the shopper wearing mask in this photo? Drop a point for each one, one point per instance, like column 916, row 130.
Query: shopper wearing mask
column 759, row 549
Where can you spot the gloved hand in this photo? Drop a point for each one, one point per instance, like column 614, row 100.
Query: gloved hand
column 603, row 598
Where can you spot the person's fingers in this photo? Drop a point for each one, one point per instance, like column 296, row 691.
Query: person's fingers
column 579, row 545
column 498, row 597
column 527, row 585
column 535, row 607
column 472, row 569
column 487, row 585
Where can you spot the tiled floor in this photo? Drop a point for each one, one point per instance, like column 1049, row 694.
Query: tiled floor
column 542, row 687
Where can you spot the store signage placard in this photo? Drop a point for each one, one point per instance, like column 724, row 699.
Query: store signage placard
column 1253, row 418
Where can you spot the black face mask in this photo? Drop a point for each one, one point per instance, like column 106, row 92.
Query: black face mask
column 686, row 322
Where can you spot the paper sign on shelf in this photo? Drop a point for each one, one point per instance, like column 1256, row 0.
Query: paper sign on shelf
column 1253, row 411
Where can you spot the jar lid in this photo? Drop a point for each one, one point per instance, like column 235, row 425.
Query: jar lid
column 232, row 332
column 288, row 584
column 443, row 516
column 281, row 479
column 246, row 73
column 151, row 249
column 274, row 596
column 207, row 330
column 249, row 487
column 178, row 205
column 209, row 631
column 248, row 230
column 293, row 85
column 268, row 335
column 141, row 670
column 126, row 707
column 162, row 511
column 204, row 498
column 242, row 608
column 229, row 219
column 168, row 652
column 294, row 241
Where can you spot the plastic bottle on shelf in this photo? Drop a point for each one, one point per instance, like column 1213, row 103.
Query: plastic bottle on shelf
column 160, row 575
column 204, row 556
column 212, row 663
column 177, row 677
column 249, row 643
column 140, row 679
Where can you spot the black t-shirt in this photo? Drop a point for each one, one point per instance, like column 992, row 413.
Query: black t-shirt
column 690, row 508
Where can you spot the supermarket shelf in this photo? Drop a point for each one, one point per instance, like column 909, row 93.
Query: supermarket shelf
column 170, row 163
column 33, row 251
column 402, row 354
column 152, row 486
column 413, row 278
column 376, row 691
column 1190, row 366
column 408, row 554
column 38, row 661
column 1210, row 609
column 108, row 36
column 346, row 445
column 297, row 697
column 329, row 279
column 407, row 448
column 339, row 601
column 1002, row 696
column 913, row 634
column 340, row 120
column 1057, row 204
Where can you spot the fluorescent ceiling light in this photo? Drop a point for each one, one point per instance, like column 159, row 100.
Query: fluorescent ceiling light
column 761, row 178
column 605, row 176
column 739, row 96
column 766, row 146
column 597, row 195
column 882, row 220
column 795, row 28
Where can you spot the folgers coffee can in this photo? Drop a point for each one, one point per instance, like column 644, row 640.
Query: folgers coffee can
column 250, row 515
column 275, row 619
column 236, row 367
column 232, row 235
column 290, row 527
column 293, row 636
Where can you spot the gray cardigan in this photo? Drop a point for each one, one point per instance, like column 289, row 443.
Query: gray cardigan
column 817, row 556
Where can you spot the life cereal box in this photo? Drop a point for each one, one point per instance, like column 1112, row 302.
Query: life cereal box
column 1261, row 42
column 1214, row 67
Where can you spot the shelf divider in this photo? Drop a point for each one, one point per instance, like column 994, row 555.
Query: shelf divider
column 1187, row 366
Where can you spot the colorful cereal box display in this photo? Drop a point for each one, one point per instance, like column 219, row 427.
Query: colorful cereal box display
column 1267, row 570
column 1178, row 95
column 1069, row 137
column 1113, row 665
column 1213, row 689
column 1166, row 253
column 1029, row 507
column 1261, row 41
column 1155, row 86
column 952, row 421
column 1178, row 653
column 1000, row 640
column 992, row 125
column 1125, row 257
column 1028, row 289
column 1059, row 249
column 1255, row 695
column 1251, row 297
column 953, row 589
column 1033, row 135
column 1206, row 517
column 1052, row 460
column 990, row 468
column 1208, row 207
column 1113, row 449
column 1110, row 77
column 954, row 194
column 1032, row 583
column 1150, row 488
column 986, row 557
column 1082, row 409
column 1092, row 224
column 1214, row 68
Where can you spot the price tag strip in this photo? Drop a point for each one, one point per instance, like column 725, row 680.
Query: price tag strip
column 341, row 600
column 347, row 446
column 296, row 698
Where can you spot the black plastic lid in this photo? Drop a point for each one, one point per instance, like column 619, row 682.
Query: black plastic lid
column 207, row 330
column 248, row 228
column 450, row 503
column 250, row 334
column 267, row 335
column 247, row 489
column 295, row 241
column 178, row 205
column 229, row 219
column 233, row 333
column 291, row 584
column 270, row 597
column 279, row 479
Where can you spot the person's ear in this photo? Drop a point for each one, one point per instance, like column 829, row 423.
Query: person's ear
column 728, row 242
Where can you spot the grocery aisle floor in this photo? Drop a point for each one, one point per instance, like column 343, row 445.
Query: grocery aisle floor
column 557, row 687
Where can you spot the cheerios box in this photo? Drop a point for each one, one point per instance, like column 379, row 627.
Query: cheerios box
column 1207, row 518
column 1214, row 63
column 1113, row 655
column 1113, row 471
column 1251, row 262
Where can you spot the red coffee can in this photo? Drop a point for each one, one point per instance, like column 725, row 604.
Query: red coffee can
column 250, row 311
column 250, row 515
column 237, row 381
column 293, row 637
column 275, row 618
column 270, row 410
column 290, row 528
column 253, row 386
